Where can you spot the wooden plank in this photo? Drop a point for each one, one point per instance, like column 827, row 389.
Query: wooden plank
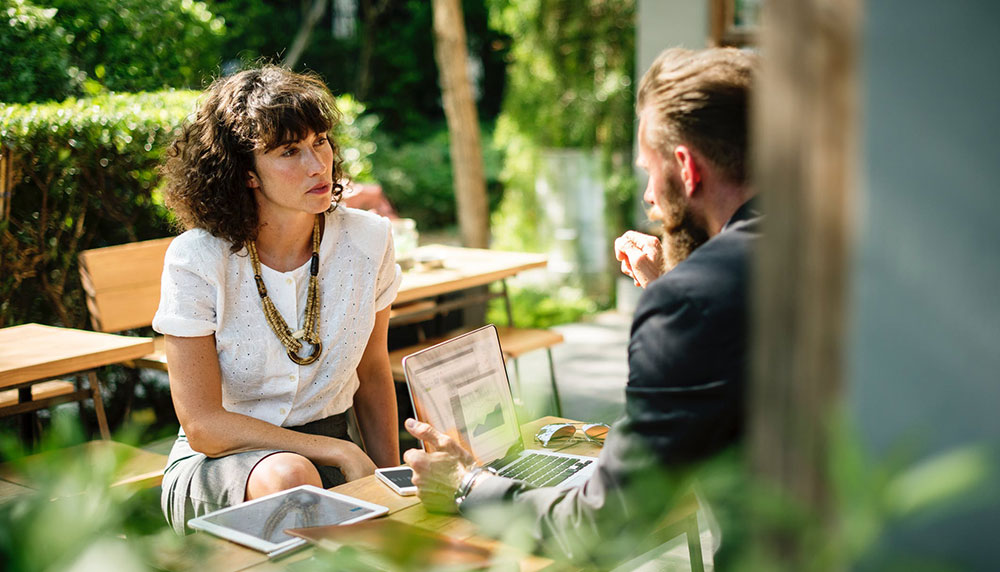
column 134, row 467
column 516, row 342
column 9, row 491
column 33, row 352
column 123, row 283
column 372, row 490
column 39, row 391
column 463, row 268
column 155, row 360
column 121, row 309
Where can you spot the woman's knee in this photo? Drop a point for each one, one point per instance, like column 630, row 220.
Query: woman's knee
column 281, row 471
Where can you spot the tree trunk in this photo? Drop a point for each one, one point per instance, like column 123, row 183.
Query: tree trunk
column 463, row 123
column 805, row 163
column 302, row 37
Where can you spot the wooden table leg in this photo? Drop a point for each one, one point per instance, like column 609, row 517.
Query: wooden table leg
column 102, row 420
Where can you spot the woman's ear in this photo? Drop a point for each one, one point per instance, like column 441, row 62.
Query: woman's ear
column 252, row 181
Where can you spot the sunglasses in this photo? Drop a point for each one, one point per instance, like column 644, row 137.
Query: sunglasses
column 561, row 434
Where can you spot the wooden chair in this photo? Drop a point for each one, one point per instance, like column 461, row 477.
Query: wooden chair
column 123, row 290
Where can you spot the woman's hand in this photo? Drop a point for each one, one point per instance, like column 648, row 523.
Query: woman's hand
column 354, row 463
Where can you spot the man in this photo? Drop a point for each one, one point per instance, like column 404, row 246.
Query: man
column 687, row 351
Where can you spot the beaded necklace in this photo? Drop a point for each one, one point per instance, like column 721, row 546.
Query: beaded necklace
column 288, row 338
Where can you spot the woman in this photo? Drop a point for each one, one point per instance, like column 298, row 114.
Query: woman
column 274, row 303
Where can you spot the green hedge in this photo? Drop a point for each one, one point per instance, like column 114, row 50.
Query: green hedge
column 85, row 175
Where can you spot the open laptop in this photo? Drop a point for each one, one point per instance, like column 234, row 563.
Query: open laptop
column 460, row 387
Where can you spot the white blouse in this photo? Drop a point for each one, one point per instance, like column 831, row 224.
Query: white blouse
column 206, row 289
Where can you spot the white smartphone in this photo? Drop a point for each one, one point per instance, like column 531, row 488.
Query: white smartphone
column 398, row 479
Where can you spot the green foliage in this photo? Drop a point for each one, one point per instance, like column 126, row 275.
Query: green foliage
column 34, row 56
column 136, row 45
column 55, row 527
column 569, row 85
column 388, row 63
column 85, row 175
column 542, row 307
column 417, row 178
column 570, row 77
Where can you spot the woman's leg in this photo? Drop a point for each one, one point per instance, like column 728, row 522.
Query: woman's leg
column 279, row 472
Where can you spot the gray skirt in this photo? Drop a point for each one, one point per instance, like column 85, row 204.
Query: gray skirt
column 194, row 484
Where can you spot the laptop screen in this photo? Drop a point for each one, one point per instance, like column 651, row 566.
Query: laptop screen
column 460, row 387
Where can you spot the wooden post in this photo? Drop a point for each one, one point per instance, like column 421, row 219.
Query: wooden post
column 805, row 146
column 463, row 123
column 6, row 182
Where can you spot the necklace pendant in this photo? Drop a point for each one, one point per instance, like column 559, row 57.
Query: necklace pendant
column 298, row 334
column 316, row 351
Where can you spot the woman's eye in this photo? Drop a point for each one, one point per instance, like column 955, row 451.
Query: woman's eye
column 320, row 141
column 289, row 152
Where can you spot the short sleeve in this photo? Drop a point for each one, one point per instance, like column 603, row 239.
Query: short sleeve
column 389, row 274
column 189, row 289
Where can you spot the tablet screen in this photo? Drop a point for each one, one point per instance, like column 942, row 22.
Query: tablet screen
column 263, row 522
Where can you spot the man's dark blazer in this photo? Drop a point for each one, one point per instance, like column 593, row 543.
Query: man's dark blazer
column 687, row 360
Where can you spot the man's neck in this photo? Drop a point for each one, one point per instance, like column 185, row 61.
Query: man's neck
column 726, row 199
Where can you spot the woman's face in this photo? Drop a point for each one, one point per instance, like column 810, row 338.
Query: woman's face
column 296, row 177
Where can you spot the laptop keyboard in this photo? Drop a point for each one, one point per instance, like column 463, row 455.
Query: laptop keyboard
column 543, row 470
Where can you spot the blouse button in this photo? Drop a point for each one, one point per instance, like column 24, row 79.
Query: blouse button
column 288, row 280
column 281, row 411
column 291, row 378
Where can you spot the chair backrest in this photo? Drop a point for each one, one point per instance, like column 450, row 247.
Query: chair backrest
column 123, row 283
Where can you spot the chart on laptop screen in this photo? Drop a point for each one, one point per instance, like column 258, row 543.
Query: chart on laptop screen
column 460, row 387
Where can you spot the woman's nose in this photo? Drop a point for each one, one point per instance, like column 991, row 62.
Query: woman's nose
column 315, row 162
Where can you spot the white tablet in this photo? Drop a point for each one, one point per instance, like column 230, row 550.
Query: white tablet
column 261, row 523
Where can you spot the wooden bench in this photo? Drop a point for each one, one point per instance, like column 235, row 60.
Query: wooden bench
column 39, row 391
column 122, row 284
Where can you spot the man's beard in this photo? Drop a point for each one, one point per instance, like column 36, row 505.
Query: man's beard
column 683, row 230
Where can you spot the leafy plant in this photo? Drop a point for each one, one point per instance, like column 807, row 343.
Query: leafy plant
column 542, row 307
column 34, row 56
column 135, row 45
column 569, row 86
column 417, row 179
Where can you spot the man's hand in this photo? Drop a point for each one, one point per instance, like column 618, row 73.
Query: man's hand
column 437, row 475
column 641, row 256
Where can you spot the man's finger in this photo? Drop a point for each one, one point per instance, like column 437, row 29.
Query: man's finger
column 421, row 431
column 415, row 458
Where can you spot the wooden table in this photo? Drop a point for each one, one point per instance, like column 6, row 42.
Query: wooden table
column 32, row 353
column 462, row 268
column 225, row 555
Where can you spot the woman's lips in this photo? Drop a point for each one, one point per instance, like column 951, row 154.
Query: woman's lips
column 320, row 189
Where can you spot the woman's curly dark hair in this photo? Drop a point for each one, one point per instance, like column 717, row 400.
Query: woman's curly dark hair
column 207, row 166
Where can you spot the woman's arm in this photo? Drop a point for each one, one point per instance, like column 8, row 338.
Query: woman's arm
column 196, row 390
column 375, row 400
